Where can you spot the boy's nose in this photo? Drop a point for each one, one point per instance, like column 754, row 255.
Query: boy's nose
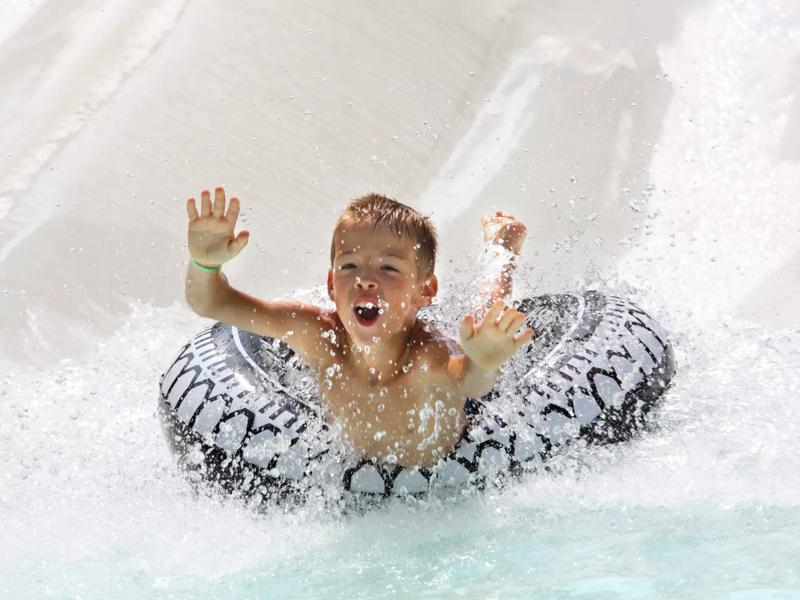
column 365, row 283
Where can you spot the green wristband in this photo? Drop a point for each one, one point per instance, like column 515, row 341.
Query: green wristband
column 205, row 268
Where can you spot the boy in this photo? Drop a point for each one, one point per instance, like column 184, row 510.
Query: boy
column 396, row 385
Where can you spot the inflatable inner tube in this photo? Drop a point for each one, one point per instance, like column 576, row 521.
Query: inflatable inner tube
column 242, row 412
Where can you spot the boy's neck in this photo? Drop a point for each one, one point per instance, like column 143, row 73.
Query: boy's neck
column 382, row 361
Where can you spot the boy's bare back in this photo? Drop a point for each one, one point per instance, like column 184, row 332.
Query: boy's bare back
column 396, row 385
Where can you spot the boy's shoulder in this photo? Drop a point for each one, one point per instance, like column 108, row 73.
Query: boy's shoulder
column 432, row 349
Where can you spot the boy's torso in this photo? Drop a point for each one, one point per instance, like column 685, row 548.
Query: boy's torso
column 414, row 416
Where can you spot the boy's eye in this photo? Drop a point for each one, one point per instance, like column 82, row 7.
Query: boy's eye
column 389, row 268
column 346, row 266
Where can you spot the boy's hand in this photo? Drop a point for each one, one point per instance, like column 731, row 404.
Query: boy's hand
column 211, row 239
column 497, row 337
column 504, row 230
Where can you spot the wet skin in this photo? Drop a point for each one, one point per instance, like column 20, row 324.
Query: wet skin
column 396, row 386
column 388, row 387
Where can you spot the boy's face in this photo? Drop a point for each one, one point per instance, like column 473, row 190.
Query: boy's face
column 375, row 282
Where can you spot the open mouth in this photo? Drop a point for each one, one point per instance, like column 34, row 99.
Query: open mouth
column 367, row 314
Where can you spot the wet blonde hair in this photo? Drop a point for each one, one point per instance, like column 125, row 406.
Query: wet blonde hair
column 375, row 210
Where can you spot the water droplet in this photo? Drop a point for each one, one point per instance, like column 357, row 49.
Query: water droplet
column 381, row 407
column 391, row 459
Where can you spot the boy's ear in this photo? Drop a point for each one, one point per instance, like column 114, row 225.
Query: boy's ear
column 330, row 284
column 429, row 289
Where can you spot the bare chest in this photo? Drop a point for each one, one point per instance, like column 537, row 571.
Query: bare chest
column 411, row 419
column 372, row 404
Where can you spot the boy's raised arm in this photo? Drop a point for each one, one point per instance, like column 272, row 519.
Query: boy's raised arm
column 504, row 236
column 489, row 343
column 212, row 243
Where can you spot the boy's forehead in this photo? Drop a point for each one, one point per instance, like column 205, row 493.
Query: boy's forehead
column 354, row 239
column 383, row 249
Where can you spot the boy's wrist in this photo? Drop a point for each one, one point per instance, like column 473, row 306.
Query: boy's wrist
column 498, row 264
column 205, row 268
column 512, row 246
column 478, row 380
column 500, row 252
column 484, row 369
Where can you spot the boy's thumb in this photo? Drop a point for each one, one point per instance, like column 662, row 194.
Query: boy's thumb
column 239, row 242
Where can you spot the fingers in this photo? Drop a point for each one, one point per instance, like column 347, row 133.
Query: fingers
column 219, row 202
column 468, row 327
column 498, row 217
column 233, row 211
column 522, row 338
column 504, row 318
column 205, row 203
column 217, row 209
column 510, row 320
column 493, row 313
column 191, row 209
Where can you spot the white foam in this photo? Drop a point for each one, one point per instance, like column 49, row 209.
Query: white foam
column 724, row 212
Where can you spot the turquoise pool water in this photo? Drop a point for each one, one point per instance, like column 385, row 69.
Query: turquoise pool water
column 703, row 506
column 511, row 552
